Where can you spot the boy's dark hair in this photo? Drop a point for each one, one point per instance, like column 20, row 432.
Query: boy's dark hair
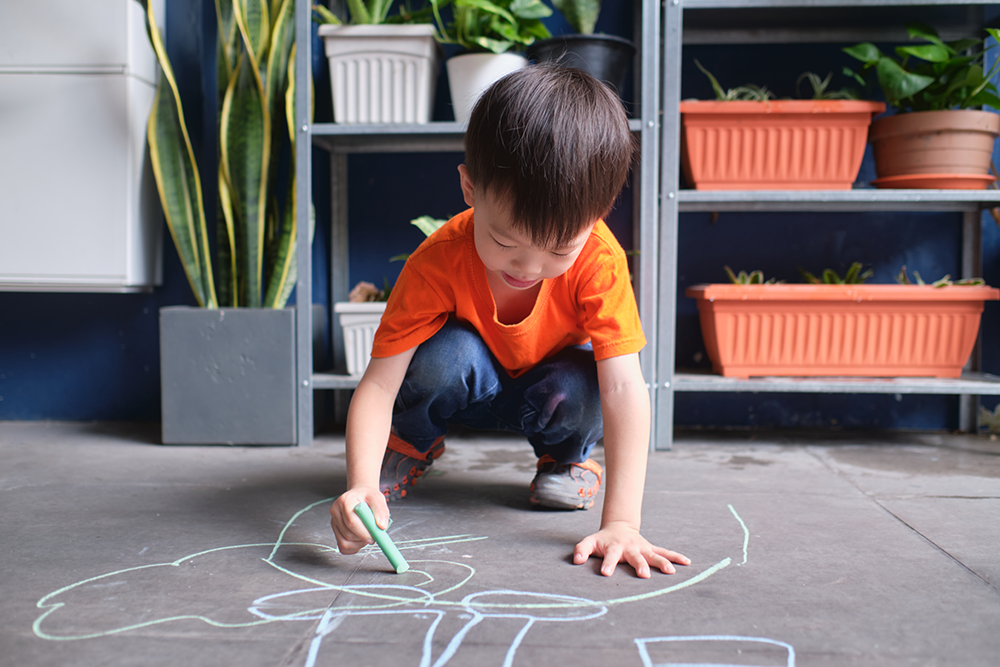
column 553, row 144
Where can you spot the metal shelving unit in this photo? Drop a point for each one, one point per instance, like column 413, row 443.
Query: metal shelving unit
column 342, row 140
column 779, row 21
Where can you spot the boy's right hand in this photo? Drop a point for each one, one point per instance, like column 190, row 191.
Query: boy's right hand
column 351, row 533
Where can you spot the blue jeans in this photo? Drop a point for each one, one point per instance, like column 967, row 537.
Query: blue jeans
column 454, row 377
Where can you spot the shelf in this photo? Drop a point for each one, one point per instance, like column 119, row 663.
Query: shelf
column 822, row 21
column 397, row 137
column 969, row 383
column 333, row 380
column 836, row 200
column 815, row 4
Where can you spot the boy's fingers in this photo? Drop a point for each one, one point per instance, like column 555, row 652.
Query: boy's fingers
column 611, row 560
column 673, row 556
column 583, row 550
column 662, row 563
column 637, row 560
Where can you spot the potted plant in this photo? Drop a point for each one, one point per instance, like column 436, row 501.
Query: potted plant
column 227, row 368
column 936, row 139
column 383, row 69
column 746, row 140
column 487, row 32
column 838, row 326
column 606, row 57
column 361, row 314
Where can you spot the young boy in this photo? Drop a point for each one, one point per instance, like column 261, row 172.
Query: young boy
column 519, row 315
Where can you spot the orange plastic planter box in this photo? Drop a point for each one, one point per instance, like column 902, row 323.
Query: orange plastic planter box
column 840, row 330
column 774, row 145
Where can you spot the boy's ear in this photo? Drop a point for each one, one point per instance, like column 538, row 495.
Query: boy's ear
column 468, row 189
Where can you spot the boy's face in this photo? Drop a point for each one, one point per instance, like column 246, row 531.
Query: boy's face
column 507, row 252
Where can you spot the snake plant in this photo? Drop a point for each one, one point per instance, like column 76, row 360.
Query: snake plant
column 255, row 244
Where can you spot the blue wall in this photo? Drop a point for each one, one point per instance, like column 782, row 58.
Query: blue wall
column 95, row 356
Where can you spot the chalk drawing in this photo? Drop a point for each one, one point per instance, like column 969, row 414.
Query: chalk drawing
column 425, row 597
column 746, row 534
column 788, row 654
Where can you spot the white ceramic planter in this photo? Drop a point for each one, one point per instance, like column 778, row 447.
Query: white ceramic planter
column 359, row 322
column 472, row 73
column 382, row 73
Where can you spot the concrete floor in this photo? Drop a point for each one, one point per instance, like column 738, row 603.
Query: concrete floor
column 848, row 550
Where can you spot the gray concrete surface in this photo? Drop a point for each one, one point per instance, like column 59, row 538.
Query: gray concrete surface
column 848, row 550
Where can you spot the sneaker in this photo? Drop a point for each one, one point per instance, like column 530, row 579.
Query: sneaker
column 569, row 486
column 402, row 465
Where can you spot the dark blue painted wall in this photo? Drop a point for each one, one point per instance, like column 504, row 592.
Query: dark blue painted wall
column 95, row 356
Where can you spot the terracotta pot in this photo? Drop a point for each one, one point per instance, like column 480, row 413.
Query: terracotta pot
column 774, row 145
column 946, row 149
column 840, row 330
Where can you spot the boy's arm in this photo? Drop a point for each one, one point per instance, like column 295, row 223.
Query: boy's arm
column 369, row 419
column 625, row 410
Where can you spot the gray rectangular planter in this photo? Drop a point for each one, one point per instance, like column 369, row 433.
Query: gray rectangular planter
column 228, row 376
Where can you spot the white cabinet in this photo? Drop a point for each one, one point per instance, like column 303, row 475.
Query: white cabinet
column 79, row 205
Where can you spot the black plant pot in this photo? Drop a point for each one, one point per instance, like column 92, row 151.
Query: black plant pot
column 606, row 57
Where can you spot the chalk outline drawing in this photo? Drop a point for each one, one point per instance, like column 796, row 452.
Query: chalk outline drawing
column 386, row 599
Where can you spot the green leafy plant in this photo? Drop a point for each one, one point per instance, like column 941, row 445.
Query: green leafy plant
column 749, row 92
column 580, row 14
column 903, row 279
column 931, row 76
column 372, row 12
column 256, row 234
column 491, row 27
column 820, row 86
column 854, row 276
column 365, row 291
column 752, row 278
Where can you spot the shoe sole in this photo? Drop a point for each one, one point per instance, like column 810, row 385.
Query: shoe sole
column 555, row 495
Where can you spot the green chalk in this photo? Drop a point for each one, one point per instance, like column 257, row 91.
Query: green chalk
column 381, row 538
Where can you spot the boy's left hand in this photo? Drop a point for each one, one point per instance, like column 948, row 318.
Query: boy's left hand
column 619, row 542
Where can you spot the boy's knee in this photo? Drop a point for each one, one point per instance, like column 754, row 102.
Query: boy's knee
column 455, row 355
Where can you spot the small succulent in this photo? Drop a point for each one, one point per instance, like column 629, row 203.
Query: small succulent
column 854, row 276
column 903, row 279
column 752, row 278
column 820, row 86
column 750, row 92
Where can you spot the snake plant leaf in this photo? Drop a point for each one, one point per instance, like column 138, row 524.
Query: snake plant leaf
column 274, row 10
column 284, row 266
column 176, row 174
column 227, row 44
column 255, row 25
column 245, row 129
column 325, row 15
column 581, row 14
column 285, row 271
column 227, row 284
column 282, row 39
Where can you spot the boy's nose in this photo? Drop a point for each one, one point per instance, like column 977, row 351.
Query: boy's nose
column 527, row 266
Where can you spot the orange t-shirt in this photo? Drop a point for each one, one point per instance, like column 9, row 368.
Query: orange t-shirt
column 592, row 301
